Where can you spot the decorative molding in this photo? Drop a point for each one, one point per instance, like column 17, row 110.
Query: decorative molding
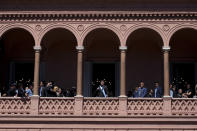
column 123, row 27
column 97, row 16
column 80, row 28
column 150, row 25
column 52, row 26
column 95, row 25
column 166, row 27
column 38, row 27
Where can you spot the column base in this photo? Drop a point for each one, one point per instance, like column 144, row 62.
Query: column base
column 78, row 96
column 167, row 97
column 123, row 96
column 35, row 96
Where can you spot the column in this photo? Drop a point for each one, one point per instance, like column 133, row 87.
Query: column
column 166, row 50
column 36, row 69
column 123, row 71
column 79, row 70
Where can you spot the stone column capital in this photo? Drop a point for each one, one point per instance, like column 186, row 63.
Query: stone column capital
column 166, row 48
column 122, row 48
column 80, row 48
column 37, row 48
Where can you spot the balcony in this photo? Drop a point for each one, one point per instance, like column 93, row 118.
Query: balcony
column 102, row 107
column 88, row 113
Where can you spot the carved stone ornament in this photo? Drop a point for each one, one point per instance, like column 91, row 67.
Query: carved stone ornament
column 80, row 28
column 166, row 27
column 123, row 27
column 38, row 27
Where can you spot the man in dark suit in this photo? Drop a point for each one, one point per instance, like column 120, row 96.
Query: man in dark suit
column 102, row 90
column 157, row 91
column 12, row 91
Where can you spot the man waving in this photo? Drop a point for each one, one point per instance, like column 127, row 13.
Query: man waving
column 102, row 90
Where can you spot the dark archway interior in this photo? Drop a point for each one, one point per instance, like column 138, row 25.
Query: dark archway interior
column 101, row 45
column 17, row 56
column 102, row 55
column 59, row 57
column 144, row 59
column 183, row 58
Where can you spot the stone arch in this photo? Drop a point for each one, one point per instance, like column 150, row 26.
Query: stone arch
column 179, row 27
column 59, row 55
column 147, row 26
column 182, row 41
column 51, row 27
column 102, row 26
column 18, row 26
column 144, row 49
column 17, row 44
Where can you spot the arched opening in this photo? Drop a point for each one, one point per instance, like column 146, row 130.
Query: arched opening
column 101, row 58
column 59, row 57
column 144, row 61
column 183, row 58
column 17, row 57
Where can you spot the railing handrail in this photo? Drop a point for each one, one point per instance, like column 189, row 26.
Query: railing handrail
column 57, row 98
column 101, row 98
column 184, row 98
column 146, row 98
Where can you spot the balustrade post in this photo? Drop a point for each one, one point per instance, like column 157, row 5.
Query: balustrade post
column 167, row 106
column 123, row 106
column 34, row 105
column 78, row 107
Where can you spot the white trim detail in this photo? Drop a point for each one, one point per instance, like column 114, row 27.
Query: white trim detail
column 80, row 48
column 166, row 48
column 123, row 48
column 37, row 48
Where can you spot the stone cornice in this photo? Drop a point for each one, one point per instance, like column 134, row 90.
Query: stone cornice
column 97, row 16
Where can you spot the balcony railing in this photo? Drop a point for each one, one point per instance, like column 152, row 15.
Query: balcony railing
column 103, row 107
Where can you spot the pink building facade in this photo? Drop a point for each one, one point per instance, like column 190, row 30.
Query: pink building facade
column 64, row 43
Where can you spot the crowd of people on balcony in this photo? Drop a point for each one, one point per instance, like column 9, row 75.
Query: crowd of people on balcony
column 46, row 89
column 157, row 92
column 50, row 89
column 141, row 91
column 185, row 92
